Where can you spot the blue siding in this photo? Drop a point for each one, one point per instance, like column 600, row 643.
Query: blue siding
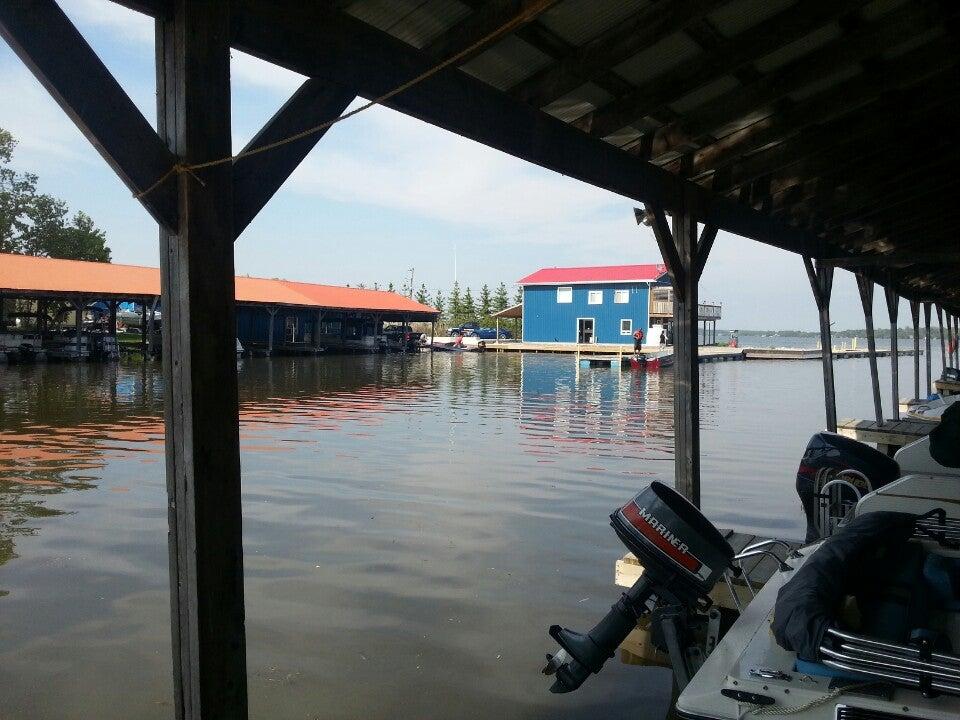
column 546, row 320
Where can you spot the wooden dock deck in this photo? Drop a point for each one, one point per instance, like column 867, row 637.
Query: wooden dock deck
column 947, row 387
column 812, row 353
column 606, row 351
column 889, row 436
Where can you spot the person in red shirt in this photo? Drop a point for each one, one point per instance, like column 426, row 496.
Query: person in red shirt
column 638, row 340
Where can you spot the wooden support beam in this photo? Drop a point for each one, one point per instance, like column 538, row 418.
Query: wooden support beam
column 272, row 312
column 943, row 346
column 915, row 316
column 820, row 276
column 47, row 42
column 256, row 178
column 684, row 252
column 926, row 337
column 78, row 306
column 893, row 306
column 865, row 285
column 112, row 321
column 488, row 18
column 200, row 370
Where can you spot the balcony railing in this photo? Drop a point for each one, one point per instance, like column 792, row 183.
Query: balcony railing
column 705, row 311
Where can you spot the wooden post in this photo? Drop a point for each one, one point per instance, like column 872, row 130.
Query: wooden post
column 926, row 338
column 272, row 311
column 865, row 286
column 821, row 282
column 200, row 368
column 915, row 316
column 956, row 341
column 685, row 255
column 78, row 324
column 316, row 331
column 433, row 325
column 143, row 329
column 943, row 346
column 893, row 305
column 112, row 323
column 152, row 327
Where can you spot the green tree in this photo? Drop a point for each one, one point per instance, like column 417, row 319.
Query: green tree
column 423, row 297
column 456, row 305
column 469, row 308
column 439, row 303
column 390, row 288
column 518, row 300
column 485, row 300
column 501, row 301
column 34, row 223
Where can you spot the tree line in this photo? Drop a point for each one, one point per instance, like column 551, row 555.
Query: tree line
column 460, row 305
column 35, row 223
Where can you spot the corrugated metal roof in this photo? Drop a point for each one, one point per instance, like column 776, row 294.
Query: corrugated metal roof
column 705, row 94
column 798, row 48
column 35, row 275
column 658, row 58
column 578, row 102
column 598, row 274
column 579, row 21
column 739, row 15
column 508, row 62
column 416, row 22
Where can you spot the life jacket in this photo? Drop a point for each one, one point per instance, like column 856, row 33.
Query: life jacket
column 638, row 335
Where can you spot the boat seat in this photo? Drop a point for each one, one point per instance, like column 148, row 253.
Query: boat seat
column 899, row 608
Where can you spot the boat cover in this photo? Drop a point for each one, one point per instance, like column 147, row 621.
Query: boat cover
column 847, row 563
column 945, row 438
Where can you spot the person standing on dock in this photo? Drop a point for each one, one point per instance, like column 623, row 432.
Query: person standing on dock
column 638, row 340
column 663, row 339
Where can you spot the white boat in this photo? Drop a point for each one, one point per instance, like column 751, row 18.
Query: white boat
column 932, row 408
column 861, row 625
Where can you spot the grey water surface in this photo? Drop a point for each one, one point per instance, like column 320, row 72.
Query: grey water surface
column 412, row 525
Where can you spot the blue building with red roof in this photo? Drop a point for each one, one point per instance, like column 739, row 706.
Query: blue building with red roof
column 605, row 304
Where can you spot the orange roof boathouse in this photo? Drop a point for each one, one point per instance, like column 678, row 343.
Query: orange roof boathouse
column 271, row 313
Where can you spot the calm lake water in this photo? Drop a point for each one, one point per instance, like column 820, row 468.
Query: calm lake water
column 412, row 525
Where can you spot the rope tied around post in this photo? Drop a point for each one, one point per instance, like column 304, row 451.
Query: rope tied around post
column 526, row 15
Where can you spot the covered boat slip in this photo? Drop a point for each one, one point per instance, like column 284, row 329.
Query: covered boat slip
column 820, row 127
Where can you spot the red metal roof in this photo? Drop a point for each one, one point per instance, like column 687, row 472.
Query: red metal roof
column 36, row 276
column 598, row 274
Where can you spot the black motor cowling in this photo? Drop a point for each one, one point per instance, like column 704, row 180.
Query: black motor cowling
column 828, row 454
column 683, row 556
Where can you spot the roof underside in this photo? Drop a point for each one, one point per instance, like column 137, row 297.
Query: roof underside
column 834, row 118
column 26, row 276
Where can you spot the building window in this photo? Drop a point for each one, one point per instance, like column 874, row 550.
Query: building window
column 621, row 297
column 595, row 297
column 662, row 294
column 626, row 327
column 564, row 294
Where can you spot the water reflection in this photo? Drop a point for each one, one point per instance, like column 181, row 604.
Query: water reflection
column 411, row 526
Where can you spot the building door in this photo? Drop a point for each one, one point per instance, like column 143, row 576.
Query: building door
column 585, row 330
column 290, row 330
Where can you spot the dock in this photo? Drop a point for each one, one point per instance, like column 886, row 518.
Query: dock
column 947, row 387
column 888, row 436
column 812, row 353
column 610, row 351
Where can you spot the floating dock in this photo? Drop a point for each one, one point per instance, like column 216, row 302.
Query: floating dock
column 889, row 436
column 812, row 353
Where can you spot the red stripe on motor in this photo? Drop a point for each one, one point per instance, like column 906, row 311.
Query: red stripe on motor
column 632, row 513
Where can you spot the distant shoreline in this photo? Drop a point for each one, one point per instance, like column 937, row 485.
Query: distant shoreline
column 880, row 332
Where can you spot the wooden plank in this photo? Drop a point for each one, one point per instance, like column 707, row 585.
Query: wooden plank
column 65, row 64
column 893, row 305
column 895, row 434
column 256, row 178
column 200, row 370
column 946, row 387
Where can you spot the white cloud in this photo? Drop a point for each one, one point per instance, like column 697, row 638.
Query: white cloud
column 124, row 24
column 385, row 159
column 254, row 72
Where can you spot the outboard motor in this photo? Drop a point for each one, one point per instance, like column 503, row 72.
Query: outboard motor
column 683, row 556
column 950, row 374
column 830, row 457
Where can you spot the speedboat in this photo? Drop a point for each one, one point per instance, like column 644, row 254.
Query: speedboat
column 862, row 623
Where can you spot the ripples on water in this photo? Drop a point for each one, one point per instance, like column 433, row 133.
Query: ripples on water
column 411, row 526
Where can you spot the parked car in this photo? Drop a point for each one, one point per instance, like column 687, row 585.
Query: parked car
column 472, row 329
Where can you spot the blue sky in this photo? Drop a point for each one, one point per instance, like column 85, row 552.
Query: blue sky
column 382, row 193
